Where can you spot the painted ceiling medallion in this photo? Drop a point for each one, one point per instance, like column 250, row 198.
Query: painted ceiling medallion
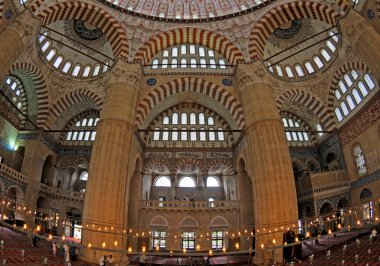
column 288, row 30
column 87, row 31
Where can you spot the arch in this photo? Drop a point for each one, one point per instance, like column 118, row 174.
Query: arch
column 203, row 37
column 281, row 14
column 47, row 171
column 326, row 208
column 159, row 220
column 40, row 88
column 19, row 191
column 228, row 168
column 218, row 221
column 184, row 84
column 358, row 65
column 191, row 161
column 148, row 165
column 70, row 99
column 343, row 202
column 365, row 194
column 54, row 205
column 95, row 15
column 188, row 222
column 310, row 102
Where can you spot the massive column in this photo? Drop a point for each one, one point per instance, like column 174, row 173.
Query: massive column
column 363, row 38
column 273, row 186
column 105, row 206
column 15, row 38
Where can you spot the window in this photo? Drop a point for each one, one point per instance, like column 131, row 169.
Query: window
column 325, row 55
column 187, row 182
column 159, row 239
column 156, row 134
column 184, row 119
column 174, row 134
column 294, row 132
column 86, row 71
column 51, row 54
column 175, row 118
column 319, row 128
column 359, row 159
column 309, row 67
column 289, row 72
column 210, row 121
column 211, row 202
column 13, row 89
column 193, row 119
column 217, row 241
column 201, row 118
column 84, row 176
column 162, row 181
column 211, row 134
column 165, row 134
column 76, row 70
column 212, row 182
column 318, row 61
column 220, row 134
column 352, row 89
column 87, row 127
column 299, row 71
column 279, row 71
column 58, row 61
column 192, row 49
column 184, row 134
column 188, row 240
column 66, row 67
column 165, row 120
column 202, row 134
column 193, row 134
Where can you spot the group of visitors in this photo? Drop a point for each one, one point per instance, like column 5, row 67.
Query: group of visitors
column 106, row 260
column 69, row 252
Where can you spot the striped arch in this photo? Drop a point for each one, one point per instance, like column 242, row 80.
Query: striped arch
column 309, row 101
column 191, row 161
column 1, row 9
column 203, row 37
column 228, row 167
column 68, row 100
column 314, row 162
column 93, row 14
column 184, row 84
column 299, row 163
column 148, row 165
column 300, row 119
column 338, row 74
column 40, row 88
column 281, row 14
column 19, row 192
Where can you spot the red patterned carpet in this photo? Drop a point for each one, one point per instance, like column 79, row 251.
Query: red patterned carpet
column 15, row 242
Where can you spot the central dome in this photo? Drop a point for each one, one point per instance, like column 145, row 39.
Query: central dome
column 186, row 10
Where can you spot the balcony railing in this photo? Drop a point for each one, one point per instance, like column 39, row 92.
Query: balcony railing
column 62, row 193
column 190, row 205
column 55, row 192
column 9, row 172
column 317, row 183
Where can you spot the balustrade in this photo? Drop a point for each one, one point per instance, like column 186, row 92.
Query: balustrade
column 190, row 205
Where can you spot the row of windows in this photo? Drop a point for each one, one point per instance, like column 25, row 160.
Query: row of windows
column 159, row 240
column 188, row 56
column 351, row 91
column 87, row 127
column 184, row 134
column 318, row 61
column 164, row 181
column 12, row 89
column 191, row 63
column 299, row 135
column 192, row 119
column 67, row 66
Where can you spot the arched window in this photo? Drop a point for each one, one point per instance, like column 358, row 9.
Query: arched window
column 299, row 71
column 58, row 61
column 175, row 118
column 165, row 120
column 359, row 159
column 187, row 182
column 162, row 181
column 193, row 119
column 87, row 127
column 13, row 90
column 212, row 182
column 165, row 134
column 220, row 134
column 156, row 134
column 183, row 119
column 84, row 176
column 319, row 128
column 293, row 130
column 351, row 91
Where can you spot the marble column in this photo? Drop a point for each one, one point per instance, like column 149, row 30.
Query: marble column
column 363, row 38
column 105, row 208
column 273, row 186
column 15, row 38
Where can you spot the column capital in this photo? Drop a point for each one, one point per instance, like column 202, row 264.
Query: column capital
column 25, row 25
column 247, row 74
column 126, row 73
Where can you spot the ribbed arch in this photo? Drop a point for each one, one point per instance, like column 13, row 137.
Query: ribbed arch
column 203, row 37
column 185, row 84
column 281, row 14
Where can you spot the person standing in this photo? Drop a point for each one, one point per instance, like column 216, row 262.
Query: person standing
column 66, row 257
column 55, row 249
column 103, row 261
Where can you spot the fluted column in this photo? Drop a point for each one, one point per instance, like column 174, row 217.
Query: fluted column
column 363, row 38
column 15, row 38
column 273, row 187
column 105, row 204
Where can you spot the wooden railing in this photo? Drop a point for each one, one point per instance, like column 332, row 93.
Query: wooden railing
column 9, row 172
column 321, row 182
column 189, row 205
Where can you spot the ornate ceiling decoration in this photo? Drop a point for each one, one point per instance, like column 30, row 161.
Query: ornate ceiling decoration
column 186, row 10
column 86, row 31
column 288, row 30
